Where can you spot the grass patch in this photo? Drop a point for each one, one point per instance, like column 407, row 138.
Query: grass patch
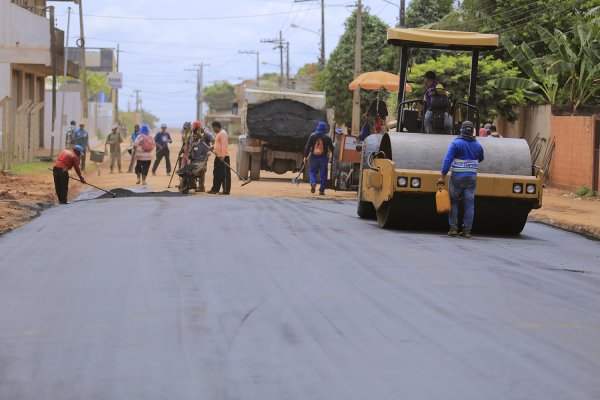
column 585, row 191
column 33, row 168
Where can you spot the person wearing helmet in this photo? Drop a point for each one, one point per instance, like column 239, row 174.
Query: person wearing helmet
column 462, row 158
column 162, row 140
column 186, row 135
column 114, row 139
column 144, row 145
column 66, row 160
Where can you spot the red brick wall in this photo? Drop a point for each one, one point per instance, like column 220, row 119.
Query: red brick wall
column 572, row 164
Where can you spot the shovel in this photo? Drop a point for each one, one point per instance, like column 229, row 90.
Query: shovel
column 95, row 187
column 296, row 180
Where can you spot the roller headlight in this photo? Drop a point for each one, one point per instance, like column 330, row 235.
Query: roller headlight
column 415, row 182
column 402, row 181
column 530, row 189
column 517, row 188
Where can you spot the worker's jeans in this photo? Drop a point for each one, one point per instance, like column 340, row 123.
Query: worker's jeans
column 428, row 123
column 318, row 164
column 160, row 154
column 61, row 184
column 462, row 187
column 115, row 157
column 221, row 175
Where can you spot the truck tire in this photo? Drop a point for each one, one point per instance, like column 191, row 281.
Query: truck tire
column 243, row 163
column 255, row 166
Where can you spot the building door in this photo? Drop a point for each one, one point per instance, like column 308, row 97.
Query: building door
column 596, row 182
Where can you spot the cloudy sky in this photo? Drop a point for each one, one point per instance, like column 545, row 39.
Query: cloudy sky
column 160, row 39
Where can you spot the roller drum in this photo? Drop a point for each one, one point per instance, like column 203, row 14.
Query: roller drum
column 427, row 152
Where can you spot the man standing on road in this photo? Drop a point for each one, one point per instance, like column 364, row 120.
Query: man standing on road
column 463, row 158
column 81, row 138
column 316, row 150
column 66, row 160
column 134, row 135
column 69, row 135
column 114, row 140
column 221, row 172
column 162, row 140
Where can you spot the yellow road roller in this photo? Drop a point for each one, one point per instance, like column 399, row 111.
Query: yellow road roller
column 399, row 170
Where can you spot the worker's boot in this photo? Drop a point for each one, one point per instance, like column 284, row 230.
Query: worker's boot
column 453, row 231
column 143, row 179
column 138, row 179
column 313, row 188
column 466, row 234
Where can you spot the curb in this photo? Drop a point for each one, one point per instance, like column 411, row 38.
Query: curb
column 589, row 231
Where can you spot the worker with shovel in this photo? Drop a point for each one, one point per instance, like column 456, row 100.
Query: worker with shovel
column 162, row 140
column 200, row 148
column 316, row 150
column 221, row 173
column 66, row 160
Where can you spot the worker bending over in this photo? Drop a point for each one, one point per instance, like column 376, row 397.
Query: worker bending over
column 66, row 160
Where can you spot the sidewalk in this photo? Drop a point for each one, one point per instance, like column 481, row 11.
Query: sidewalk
column 567, row 211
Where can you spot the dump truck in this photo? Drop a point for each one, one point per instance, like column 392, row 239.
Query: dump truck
column 276, row 126
column 399, row 170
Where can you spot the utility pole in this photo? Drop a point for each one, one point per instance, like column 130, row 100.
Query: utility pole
column 138, row 117
column 63, row 115
column 287, row 64
column 84, row 96
column 279, row 46
column 402, row 14
column 116, row 108
column 199, row 87
column 257, row 62
column 357, row 67
column 322, row 58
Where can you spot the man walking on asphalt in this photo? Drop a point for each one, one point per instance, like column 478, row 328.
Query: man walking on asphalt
column 81, row 138
column 317, row 148
column 221, row 172
column 162, row 140
column 114, row 140
column 463, row 158
column 66, row 160
column 134, row 135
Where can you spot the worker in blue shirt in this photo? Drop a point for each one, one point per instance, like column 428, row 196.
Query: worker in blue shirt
column 81, row 138
column 462, row 158
column 162, row 140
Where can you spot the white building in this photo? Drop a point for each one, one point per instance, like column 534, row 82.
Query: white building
column 26, row 59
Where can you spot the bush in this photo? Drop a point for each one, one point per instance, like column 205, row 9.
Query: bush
column 585, row 191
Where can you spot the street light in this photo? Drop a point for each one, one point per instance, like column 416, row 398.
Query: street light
column 322, row 59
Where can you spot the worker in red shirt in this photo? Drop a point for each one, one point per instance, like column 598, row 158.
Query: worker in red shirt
column 66, row 160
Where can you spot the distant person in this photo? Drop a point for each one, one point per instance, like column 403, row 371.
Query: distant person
column 335, row 159
column 484, row 130
column 162, row 140
column 221, row 172
column 433, row 88
column 66, row 160
column 463, row 158
column 143, row 147
column 493, row 133
column 134, row 135
column 315, row 152
column 114, row 140
column 69, row 134
column 186, row 134
column 81, row 138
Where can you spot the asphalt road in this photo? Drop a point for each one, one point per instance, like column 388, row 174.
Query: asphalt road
column 243, row 298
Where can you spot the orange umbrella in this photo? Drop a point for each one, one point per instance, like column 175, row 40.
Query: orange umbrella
column 375, row 80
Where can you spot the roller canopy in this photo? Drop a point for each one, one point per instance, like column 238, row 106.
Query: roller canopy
column 438, row 39
column 427, row 152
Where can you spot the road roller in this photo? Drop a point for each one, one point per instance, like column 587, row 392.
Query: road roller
column 400, row 169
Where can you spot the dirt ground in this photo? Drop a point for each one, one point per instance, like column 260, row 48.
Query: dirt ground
column 23, row 197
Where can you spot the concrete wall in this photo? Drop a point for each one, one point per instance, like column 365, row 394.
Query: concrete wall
column 572, row 165
column 24, row 37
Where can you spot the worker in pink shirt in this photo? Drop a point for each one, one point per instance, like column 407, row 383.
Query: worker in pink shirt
column 221, row 172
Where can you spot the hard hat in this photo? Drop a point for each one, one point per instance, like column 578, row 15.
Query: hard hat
column 78, row 149
column 163, row 126
column 196, row 124
column 339, row 131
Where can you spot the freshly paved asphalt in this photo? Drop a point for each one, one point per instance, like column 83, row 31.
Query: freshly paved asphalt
column 243, row 298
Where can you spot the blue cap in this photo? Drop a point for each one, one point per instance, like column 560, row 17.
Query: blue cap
column 339, row 131
column 321, row 127
column 144, row 129
column 78, row 149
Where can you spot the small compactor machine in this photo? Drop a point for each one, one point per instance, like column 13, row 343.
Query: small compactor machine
column 399, row 170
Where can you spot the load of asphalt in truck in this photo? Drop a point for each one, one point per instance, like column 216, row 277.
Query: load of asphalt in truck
column 285, row 122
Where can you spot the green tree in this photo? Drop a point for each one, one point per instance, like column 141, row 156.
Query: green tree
column 220, row 95
column 309, row 72
column 127, row 118
column 422, row 13
column 96, row 82
column 454, row 73
column 339, row 71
